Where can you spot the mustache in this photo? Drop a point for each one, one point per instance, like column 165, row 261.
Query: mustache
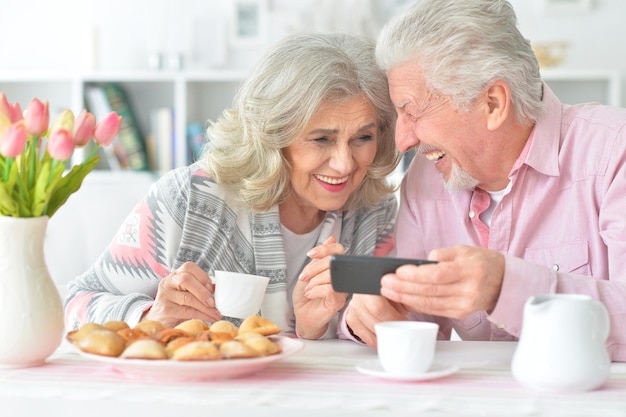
column 422, row 149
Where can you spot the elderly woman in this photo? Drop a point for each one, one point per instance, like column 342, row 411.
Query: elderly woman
column 294, row 172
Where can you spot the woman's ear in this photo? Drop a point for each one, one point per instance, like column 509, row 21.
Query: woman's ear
column 499, row 104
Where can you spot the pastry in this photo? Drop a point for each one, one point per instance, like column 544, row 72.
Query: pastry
column 103, row 342
column 167, row 335
column 191, row 340
column 115, row 325
column 225, row 326
column 220, row 337
column 176, row 343
column 192, row 326
column 263, row 345
column 145, row 349
column 151, row 327
column 235, row 349
column 258, row 324
column 198, row 350
column 130, row 335
column 76, row 336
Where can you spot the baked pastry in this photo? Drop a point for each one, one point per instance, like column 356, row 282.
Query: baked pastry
column 77, row 335
column 151, row 327
column 220, row 337
column 258, row 324
column 235, row 349
column 192, row 326
column 167, row 335
column 116, row 325
column 225, row 326
column 262, row 344
column 198, row 350
column 130, row 335
column 103, row 342
column 176, row 343
column 145, row 349
column 191, row 340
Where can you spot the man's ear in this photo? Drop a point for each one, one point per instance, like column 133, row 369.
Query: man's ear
column 499, row 104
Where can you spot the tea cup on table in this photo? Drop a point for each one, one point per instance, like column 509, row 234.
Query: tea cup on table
column 239, row 295
column 406, row 347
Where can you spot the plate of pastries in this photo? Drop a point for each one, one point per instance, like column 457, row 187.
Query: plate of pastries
column 191, row 351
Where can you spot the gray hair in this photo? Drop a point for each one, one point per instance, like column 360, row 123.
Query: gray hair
column 462, row 46
column 273, row 106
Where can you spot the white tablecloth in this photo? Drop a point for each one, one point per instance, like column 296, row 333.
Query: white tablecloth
column 320, row 380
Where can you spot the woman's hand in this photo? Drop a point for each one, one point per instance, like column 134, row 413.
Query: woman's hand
column 186, row 293
column 314, row 300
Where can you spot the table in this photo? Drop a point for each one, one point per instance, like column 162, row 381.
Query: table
column 320, row 380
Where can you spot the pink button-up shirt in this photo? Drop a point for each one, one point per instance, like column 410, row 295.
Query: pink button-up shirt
column 561, row 222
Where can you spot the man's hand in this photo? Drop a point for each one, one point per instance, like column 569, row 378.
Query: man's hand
column 365, row 311
column 465, row 280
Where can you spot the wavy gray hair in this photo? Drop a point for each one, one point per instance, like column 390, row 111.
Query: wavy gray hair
column 273, row 106
column 462, row 46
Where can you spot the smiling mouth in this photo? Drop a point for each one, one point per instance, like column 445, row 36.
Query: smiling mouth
column 435, row 155
column 332, row 180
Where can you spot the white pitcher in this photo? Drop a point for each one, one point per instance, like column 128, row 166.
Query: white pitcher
column 562, row 346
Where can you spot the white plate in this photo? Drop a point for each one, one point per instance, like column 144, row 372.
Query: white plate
column 374, row 368
column 197, row 370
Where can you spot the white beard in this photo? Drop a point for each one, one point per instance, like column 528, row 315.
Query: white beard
column 460, row 180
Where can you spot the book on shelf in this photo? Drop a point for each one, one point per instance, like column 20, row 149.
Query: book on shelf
column 196, row 139
column 129, row 147
column 161, row 139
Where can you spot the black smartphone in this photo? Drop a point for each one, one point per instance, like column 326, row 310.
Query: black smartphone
column 362, row 274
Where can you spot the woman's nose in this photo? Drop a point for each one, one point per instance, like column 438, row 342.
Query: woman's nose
column 342, row 159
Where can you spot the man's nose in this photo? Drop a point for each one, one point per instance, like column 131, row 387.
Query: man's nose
column 405, row 134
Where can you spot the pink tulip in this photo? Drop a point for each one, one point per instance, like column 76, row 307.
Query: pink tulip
column 37, row 117
column 60, row 145
column 84, row 127
column 13, row 112
column 107, row 129
column 14, row 140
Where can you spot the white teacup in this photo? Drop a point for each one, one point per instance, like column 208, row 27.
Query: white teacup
column 239, row 295
column 406, row 347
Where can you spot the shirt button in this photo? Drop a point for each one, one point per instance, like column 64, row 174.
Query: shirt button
column 500, row 326
column 555, row 267
column 472, row 213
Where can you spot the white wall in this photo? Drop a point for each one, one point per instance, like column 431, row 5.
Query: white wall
column 78, row 35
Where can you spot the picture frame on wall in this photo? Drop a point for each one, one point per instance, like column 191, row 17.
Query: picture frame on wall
column 566, row 6
column 249, row 22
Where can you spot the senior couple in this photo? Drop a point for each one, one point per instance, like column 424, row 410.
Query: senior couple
column 512, row 192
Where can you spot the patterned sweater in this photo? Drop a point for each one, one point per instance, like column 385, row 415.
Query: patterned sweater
column 186, row 216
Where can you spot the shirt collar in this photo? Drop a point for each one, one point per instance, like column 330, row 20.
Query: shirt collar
column 542, row 148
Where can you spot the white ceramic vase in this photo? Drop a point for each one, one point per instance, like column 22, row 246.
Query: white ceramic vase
column 31, row 310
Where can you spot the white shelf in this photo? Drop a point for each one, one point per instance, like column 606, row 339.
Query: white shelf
column 195, row 96
column 579, row 86
column 198, row 96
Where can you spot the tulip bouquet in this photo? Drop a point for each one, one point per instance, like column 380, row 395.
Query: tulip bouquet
column 34, row 176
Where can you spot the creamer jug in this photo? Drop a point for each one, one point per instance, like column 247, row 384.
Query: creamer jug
column 562, row 345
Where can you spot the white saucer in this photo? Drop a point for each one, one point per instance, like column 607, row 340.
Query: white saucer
column 374, row 368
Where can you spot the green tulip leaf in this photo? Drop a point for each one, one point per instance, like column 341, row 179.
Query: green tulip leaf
column 69, row 184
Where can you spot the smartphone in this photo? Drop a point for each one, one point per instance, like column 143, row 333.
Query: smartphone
column 362, row 274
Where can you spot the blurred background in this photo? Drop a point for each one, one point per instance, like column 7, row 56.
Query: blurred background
column 178, row 64
column 73, row 35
